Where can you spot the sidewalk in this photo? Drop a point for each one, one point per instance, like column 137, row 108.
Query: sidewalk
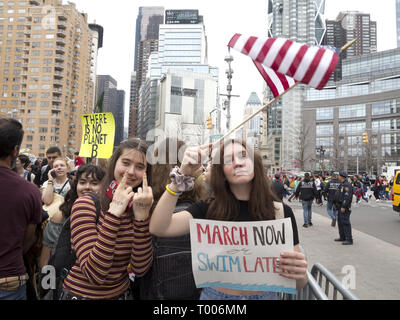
column 376, row 263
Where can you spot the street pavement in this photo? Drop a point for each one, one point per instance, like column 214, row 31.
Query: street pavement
column 376, row 262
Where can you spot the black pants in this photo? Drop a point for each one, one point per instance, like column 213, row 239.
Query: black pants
column 344, row 225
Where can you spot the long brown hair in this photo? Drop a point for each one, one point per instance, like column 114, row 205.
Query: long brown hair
column 225, row 206
column 132, row 143
column 160, row 171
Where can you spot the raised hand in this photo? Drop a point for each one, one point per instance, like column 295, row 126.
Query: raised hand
column 122, row 196
column 193, row 159
column 142, row 201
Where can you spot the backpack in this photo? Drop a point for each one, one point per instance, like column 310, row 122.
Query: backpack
column 63, row 257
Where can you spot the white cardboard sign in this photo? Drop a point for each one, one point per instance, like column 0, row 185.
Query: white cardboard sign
column 241, row 255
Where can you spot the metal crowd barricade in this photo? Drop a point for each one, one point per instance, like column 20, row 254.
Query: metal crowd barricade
column 316, row 289
column 326, row 280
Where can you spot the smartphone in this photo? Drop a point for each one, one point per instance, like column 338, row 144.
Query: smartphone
column 53, row 174
column 110, row 194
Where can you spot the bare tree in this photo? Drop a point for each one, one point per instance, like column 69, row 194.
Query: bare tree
column 304, row 142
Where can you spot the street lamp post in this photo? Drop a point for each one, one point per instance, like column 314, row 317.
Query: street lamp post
column 321, row 152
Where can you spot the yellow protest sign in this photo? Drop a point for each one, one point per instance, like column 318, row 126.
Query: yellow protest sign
column 98, row 135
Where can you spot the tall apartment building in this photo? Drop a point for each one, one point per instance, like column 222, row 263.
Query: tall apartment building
column 146, row 42
column 106, row 88
column 300, row 21
column 45, row 60
column 351, row 25
column 398, row 22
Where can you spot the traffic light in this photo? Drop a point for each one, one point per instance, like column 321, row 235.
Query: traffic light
column 209, row 123
column 365, row 137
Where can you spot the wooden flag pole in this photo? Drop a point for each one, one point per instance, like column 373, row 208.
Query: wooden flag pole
column 344, row 48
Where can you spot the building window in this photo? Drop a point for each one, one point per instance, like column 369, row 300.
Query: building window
column 352, row 128
column 356, row 111
column 324, row 114
column 324, row 129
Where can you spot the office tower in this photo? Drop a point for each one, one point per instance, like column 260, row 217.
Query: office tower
column 366, row 100
column 252, row 130
column 351, row 25
column 106, row 89
column 187, row 85
column 45, row 62
column 97, row 43
column 300, row 21
column 146, row 42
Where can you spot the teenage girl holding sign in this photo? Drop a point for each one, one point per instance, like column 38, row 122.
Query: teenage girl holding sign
column 241, row 193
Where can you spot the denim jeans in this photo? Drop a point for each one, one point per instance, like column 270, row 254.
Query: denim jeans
column 212, row 294
column 331, row 210
column 307, row 210
column 20, row 294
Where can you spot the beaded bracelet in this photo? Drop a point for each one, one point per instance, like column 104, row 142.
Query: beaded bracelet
column 176, row 194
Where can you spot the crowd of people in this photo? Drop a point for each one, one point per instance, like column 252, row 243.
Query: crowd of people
column 338, row 190
column 129, row 216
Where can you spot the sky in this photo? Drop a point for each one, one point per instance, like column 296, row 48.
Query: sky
column 222, row 19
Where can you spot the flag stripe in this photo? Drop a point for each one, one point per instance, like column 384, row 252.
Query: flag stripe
column 313, row 66
column 320, row 72
column 249, row 44
column 234, row 39
column 290, row 56
column 296, row 61
column 282, row 62
column 305, row 63
column 281, row 55
column 328, row 72
column 261, row 56
column 273, row 52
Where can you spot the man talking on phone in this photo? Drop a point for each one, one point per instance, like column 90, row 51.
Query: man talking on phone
column 51, row 154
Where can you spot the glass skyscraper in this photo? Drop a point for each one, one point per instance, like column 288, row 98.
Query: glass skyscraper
column 301, row 21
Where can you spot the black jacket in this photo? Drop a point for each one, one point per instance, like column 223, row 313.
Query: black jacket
column 307, row 190
column 344, row 196
column 331, row 188
column 278, row 188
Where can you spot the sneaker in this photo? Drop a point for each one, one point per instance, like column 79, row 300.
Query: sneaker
column 377, row 200
column 340, row 240
column 305, row 225
column 333, row 224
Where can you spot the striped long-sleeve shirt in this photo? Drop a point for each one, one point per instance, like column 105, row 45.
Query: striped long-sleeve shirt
column 104, row 251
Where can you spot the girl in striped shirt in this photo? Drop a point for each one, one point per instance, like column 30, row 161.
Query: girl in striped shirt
column 121, row 236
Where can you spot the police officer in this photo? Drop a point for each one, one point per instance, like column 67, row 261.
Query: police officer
column 330, row 188
column 343, row 199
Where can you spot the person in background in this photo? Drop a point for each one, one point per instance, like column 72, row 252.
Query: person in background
column 307, row 192
column 171, row 277
column 57, row 181
column 51, row 154
column 87, row 181
column 343, row 199
column 277, row 187
column 78, row 161
column 22, row 166
column 21, row 212
column 331, row 188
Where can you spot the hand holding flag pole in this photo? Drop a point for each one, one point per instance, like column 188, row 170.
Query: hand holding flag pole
column 309, row 65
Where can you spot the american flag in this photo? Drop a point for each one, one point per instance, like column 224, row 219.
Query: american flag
column 282, row 62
